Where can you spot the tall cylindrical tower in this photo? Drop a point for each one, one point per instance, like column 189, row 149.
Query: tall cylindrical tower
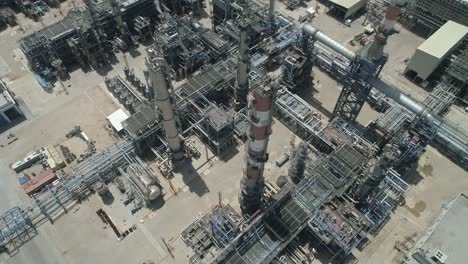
column 392, row 14
column 159, row 82
column 261, row 101
column 271, row 11
column 243, row 65
column 375, row 51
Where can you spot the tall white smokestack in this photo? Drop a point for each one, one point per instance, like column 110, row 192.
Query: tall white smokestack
column 243, row 65
column 157, row 72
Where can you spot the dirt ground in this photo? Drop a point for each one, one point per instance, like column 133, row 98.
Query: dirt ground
column 434, row 182
column 84, row 101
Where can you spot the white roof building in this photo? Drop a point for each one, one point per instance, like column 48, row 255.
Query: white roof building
column 436, row 48
column 116, row 119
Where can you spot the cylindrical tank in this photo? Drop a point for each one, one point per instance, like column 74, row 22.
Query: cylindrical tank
column 136, row 82
column 107, row 81
column 142, row 88
column 111, row 86
column 131, row 75
column 145, row 182
column 123, row 96
column 128, row 103
column 146, row 75
column 153, row 192
column 117, row 90
column 127, row 72
column 101, row 188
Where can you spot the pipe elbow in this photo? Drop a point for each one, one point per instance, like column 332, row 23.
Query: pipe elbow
column 309, row 30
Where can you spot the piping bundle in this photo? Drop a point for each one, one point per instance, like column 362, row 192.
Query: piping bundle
column 445, row 132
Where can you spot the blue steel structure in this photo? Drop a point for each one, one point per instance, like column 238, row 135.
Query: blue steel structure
column 53, row 201
column 14, row 223
column 386, row 197
column 223, row 231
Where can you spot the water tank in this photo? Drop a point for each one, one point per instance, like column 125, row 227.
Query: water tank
column 123, row 96
column 142, row 88
column 131, row 76
column 136, row 82
column 116, row 90
column 127, row 72
column 101, row 188
column 107, row 81
column 129, row 102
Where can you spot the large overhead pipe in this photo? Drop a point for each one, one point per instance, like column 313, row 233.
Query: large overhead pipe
column 445, row 132
column 402, row 99
column 447, row 135
column 261, row 103
column 329, row 42
column 157, row 72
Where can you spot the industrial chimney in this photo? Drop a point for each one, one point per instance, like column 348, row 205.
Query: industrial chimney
column 243, row 66
column 375, row 50
column 261, row 101
column 392, row 14
column 159, row 81
column 271, row 11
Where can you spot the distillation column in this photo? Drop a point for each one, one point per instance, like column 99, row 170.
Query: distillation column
column 243, row 66
column 261, row 101
column 157, row 72
column 271, row 11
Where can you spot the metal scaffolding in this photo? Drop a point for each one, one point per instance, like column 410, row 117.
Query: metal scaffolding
column 269, row 233
column 375, row 11
column 458, row 69
column 442, row 97
column 434, row 13
column 297, row 114
column 394, row 119
column 385, row 198
column 53, row 201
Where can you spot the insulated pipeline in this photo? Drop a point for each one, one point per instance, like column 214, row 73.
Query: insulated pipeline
column 455, row 139
column 329, row 42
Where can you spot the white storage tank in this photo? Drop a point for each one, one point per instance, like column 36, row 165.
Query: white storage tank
column 144, row 181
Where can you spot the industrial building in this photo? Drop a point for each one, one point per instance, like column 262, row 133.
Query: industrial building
column 88, row 37
column 9, row 110
column 442, row 242
column 430, row 55
column 346, row 8
column 216, row 87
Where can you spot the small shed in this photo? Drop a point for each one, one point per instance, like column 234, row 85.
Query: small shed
column 116, row 119
column 350, row 7
column 37, row 183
